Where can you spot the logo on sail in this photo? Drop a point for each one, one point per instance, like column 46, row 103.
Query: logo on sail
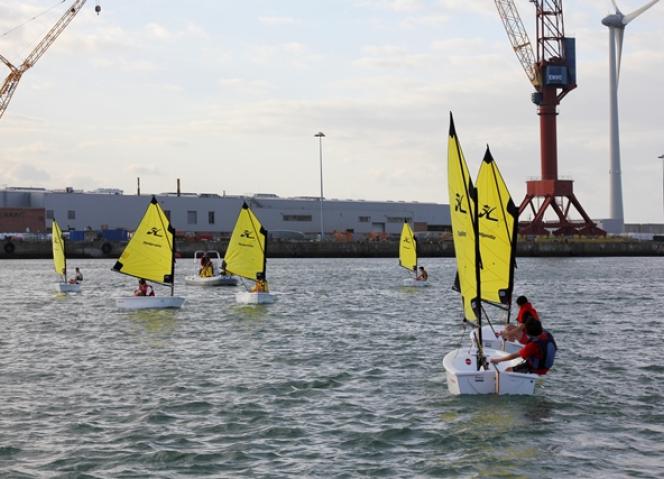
column 246, row 234
column 486, row 213
column 457, row 206
column 155, row 232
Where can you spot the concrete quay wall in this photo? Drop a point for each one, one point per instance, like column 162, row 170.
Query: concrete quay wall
column 16, row 249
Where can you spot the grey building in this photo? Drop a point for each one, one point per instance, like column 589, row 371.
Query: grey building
column 216, row 214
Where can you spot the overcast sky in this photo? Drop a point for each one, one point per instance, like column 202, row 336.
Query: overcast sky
column 227, row 96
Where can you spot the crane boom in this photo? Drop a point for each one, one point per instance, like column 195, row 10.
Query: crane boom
column 11, row 82
column 519, row 40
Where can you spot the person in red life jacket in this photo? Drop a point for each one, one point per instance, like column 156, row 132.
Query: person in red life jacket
column 516, row 332
column 144, row 289
column 538, row 353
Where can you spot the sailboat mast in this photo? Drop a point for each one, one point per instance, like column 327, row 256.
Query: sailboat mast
column 62, row 242
column 172, row 261
column 476, row 227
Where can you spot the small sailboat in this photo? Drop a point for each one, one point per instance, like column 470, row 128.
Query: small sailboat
column 467, row 368
column 211, row 274
column 245, row 257
column 408, row 256
column 150, row 255
column 60, row 261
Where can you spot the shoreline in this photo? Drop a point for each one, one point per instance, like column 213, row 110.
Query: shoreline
column 530, row 247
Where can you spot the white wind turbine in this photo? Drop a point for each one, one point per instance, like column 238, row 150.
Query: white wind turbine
column 616, row 23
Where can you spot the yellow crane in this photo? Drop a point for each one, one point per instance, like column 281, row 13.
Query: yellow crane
column 11, row 82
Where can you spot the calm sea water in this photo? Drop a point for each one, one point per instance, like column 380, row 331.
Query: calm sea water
column 341, row 378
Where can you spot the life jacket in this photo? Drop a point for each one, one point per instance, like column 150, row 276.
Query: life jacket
column 526, row 310
column 207, row 271
column 548, row 347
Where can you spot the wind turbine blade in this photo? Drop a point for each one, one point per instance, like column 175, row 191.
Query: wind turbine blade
column 631, row 16
column 615, row 5
column 620, row 33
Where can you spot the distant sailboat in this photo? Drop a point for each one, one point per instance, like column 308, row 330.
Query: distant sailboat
column 150, row 255
column 60, row 260
column 245, row 257
column 408, row 256
column 467, row 369
column 211, row 275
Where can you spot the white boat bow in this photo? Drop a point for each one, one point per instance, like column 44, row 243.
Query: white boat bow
column 463, row 377
column 247, row 297
column 68, row 287
column 219, row 280
column 150, row 302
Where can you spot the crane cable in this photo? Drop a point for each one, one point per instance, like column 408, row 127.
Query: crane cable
column 32, row 18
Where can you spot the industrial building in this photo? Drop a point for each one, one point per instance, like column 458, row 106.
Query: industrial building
column 31, row 210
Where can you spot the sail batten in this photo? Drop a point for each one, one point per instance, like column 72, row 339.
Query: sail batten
column 246, row 252
column 150, row 253
column 407, row 248
column 58, row 244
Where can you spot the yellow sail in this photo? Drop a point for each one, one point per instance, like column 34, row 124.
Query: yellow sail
column 498, row 220
column 150, row 253
column 245, row 255
column 59, row 260
column 407, row 248
column 462, row 212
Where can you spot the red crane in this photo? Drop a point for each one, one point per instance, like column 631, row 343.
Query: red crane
column 15, row 74
column 552, row 71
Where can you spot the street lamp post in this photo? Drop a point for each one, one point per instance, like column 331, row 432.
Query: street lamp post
column 320, row 136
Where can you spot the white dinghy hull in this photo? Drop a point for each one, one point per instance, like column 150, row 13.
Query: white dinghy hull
column 68, row 288
column 493, row 340
column 413, row 283
column 211, row 280
column 150, row 302
column 464, row 378
column 247, row 297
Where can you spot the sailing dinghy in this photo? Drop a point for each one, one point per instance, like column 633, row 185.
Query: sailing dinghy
column 467, row 368
column 215, row 277
column 150, row 255
column 245, row 257
column 60, row 261
column 408, row 256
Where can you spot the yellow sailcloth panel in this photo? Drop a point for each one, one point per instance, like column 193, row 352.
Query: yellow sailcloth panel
column 462, row 211
column 498, row 220
column 59, row 261
column 150, row 252
column 407, row 249
column 245, row 255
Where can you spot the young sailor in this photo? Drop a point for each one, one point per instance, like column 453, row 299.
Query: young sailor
column 261, row 284
column 144, row 289
column 78, row 277
column 516, row 332
column 207, row 269
column 422, row 275
column 538, row 353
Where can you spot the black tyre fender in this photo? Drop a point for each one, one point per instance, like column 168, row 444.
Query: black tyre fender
column 9, row 247
column 106, row 248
